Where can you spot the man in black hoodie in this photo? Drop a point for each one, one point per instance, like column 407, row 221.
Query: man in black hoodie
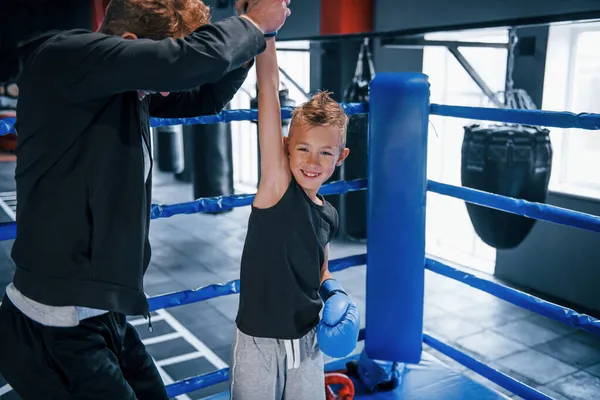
column 84, row 185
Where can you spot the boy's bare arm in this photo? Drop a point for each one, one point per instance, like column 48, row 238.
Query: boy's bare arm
column 274, row 167
column 325, row 274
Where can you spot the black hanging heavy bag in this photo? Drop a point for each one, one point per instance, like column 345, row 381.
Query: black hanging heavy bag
column 213, row 161
column 169, row 149
column 354, row 207
column 513, row 161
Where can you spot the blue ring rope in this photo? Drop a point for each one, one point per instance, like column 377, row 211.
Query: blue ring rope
column 507, row 382
column 221, row 203
column 543, row 212
column 8, row 230
column 555, row 119
column 197, row 382
column 184, row 297
column 7, row 124
column 553, row 311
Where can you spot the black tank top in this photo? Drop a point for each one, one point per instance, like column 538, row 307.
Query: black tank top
column 281, row 266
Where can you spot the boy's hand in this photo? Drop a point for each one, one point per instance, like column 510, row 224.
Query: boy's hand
column 337, row 332
column 267, row 15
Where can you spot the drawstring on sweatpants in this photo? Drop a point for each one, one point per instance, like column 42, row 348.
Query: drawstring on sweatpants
column 149, row 323
column 292, row 352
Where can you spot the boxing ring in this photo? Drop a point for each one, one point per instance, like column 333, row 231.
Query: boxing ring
column 396, row 261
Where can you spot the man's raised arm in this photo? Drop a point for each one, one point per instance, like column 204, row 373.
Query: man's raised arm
column 207, row 99
column 89, row 66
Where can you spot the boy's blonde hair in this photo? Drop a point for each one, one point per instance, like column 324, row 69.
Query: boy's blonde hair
column 322, row 110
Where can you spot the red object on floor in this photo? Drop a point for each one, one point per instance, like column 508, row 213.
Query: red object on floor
column 346, row 16
column 337, row 378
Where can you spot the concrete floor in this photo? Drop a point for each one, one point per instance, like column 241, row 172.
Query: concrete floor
column 191, row 251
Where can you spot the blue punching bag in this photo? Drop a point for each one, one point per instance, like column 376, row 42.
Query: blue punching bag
column 509, row 160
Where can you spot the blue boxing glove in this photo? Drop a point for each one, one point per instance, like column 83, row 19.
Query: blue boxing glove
column 337, row 332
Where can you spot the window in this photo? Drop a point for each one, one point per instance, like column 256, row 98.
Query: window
column 296, row 65
column 450, row 233
column 572, row 83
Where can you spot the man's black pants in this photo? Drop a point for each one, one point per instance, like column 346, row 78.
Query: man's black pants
column 102, row 358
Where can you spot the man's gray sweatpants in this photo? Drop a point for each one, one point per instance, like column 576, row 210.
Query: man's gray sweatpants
column 274, row 369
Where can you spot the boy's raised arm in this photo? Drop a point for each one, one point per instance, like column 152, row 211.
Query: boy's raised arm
column 274, row 167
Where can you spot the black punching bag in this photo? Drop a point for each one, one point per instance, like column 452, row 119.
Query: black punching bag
column 513, row 161
column 355, row 167
column 185, row 175
column 212, row 172
column 284, row 101
column 169, row 148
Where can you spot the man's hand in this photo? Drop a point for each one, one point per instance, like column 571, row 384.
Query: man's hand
column 268, row 15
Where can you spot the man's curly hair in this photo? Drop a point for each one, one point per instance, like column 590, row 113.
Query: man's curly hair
column 154, row 19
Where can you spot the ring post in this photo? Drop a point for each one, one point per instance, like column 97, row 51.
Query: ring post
column 398, row 120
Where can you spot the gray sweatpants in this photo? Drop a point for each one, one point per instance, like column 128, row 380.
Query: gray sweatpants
column 274, row 369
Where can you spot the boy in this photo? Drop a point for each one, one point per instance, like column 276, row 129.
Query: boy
column 84, row 185
column 277, row 350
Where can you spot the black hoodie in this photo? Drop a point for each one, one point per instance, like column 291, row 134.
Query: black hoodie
column 83, row 210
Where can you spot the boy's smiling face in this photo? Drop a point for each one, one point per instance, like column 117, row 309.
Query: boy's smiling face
column 314, row 152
